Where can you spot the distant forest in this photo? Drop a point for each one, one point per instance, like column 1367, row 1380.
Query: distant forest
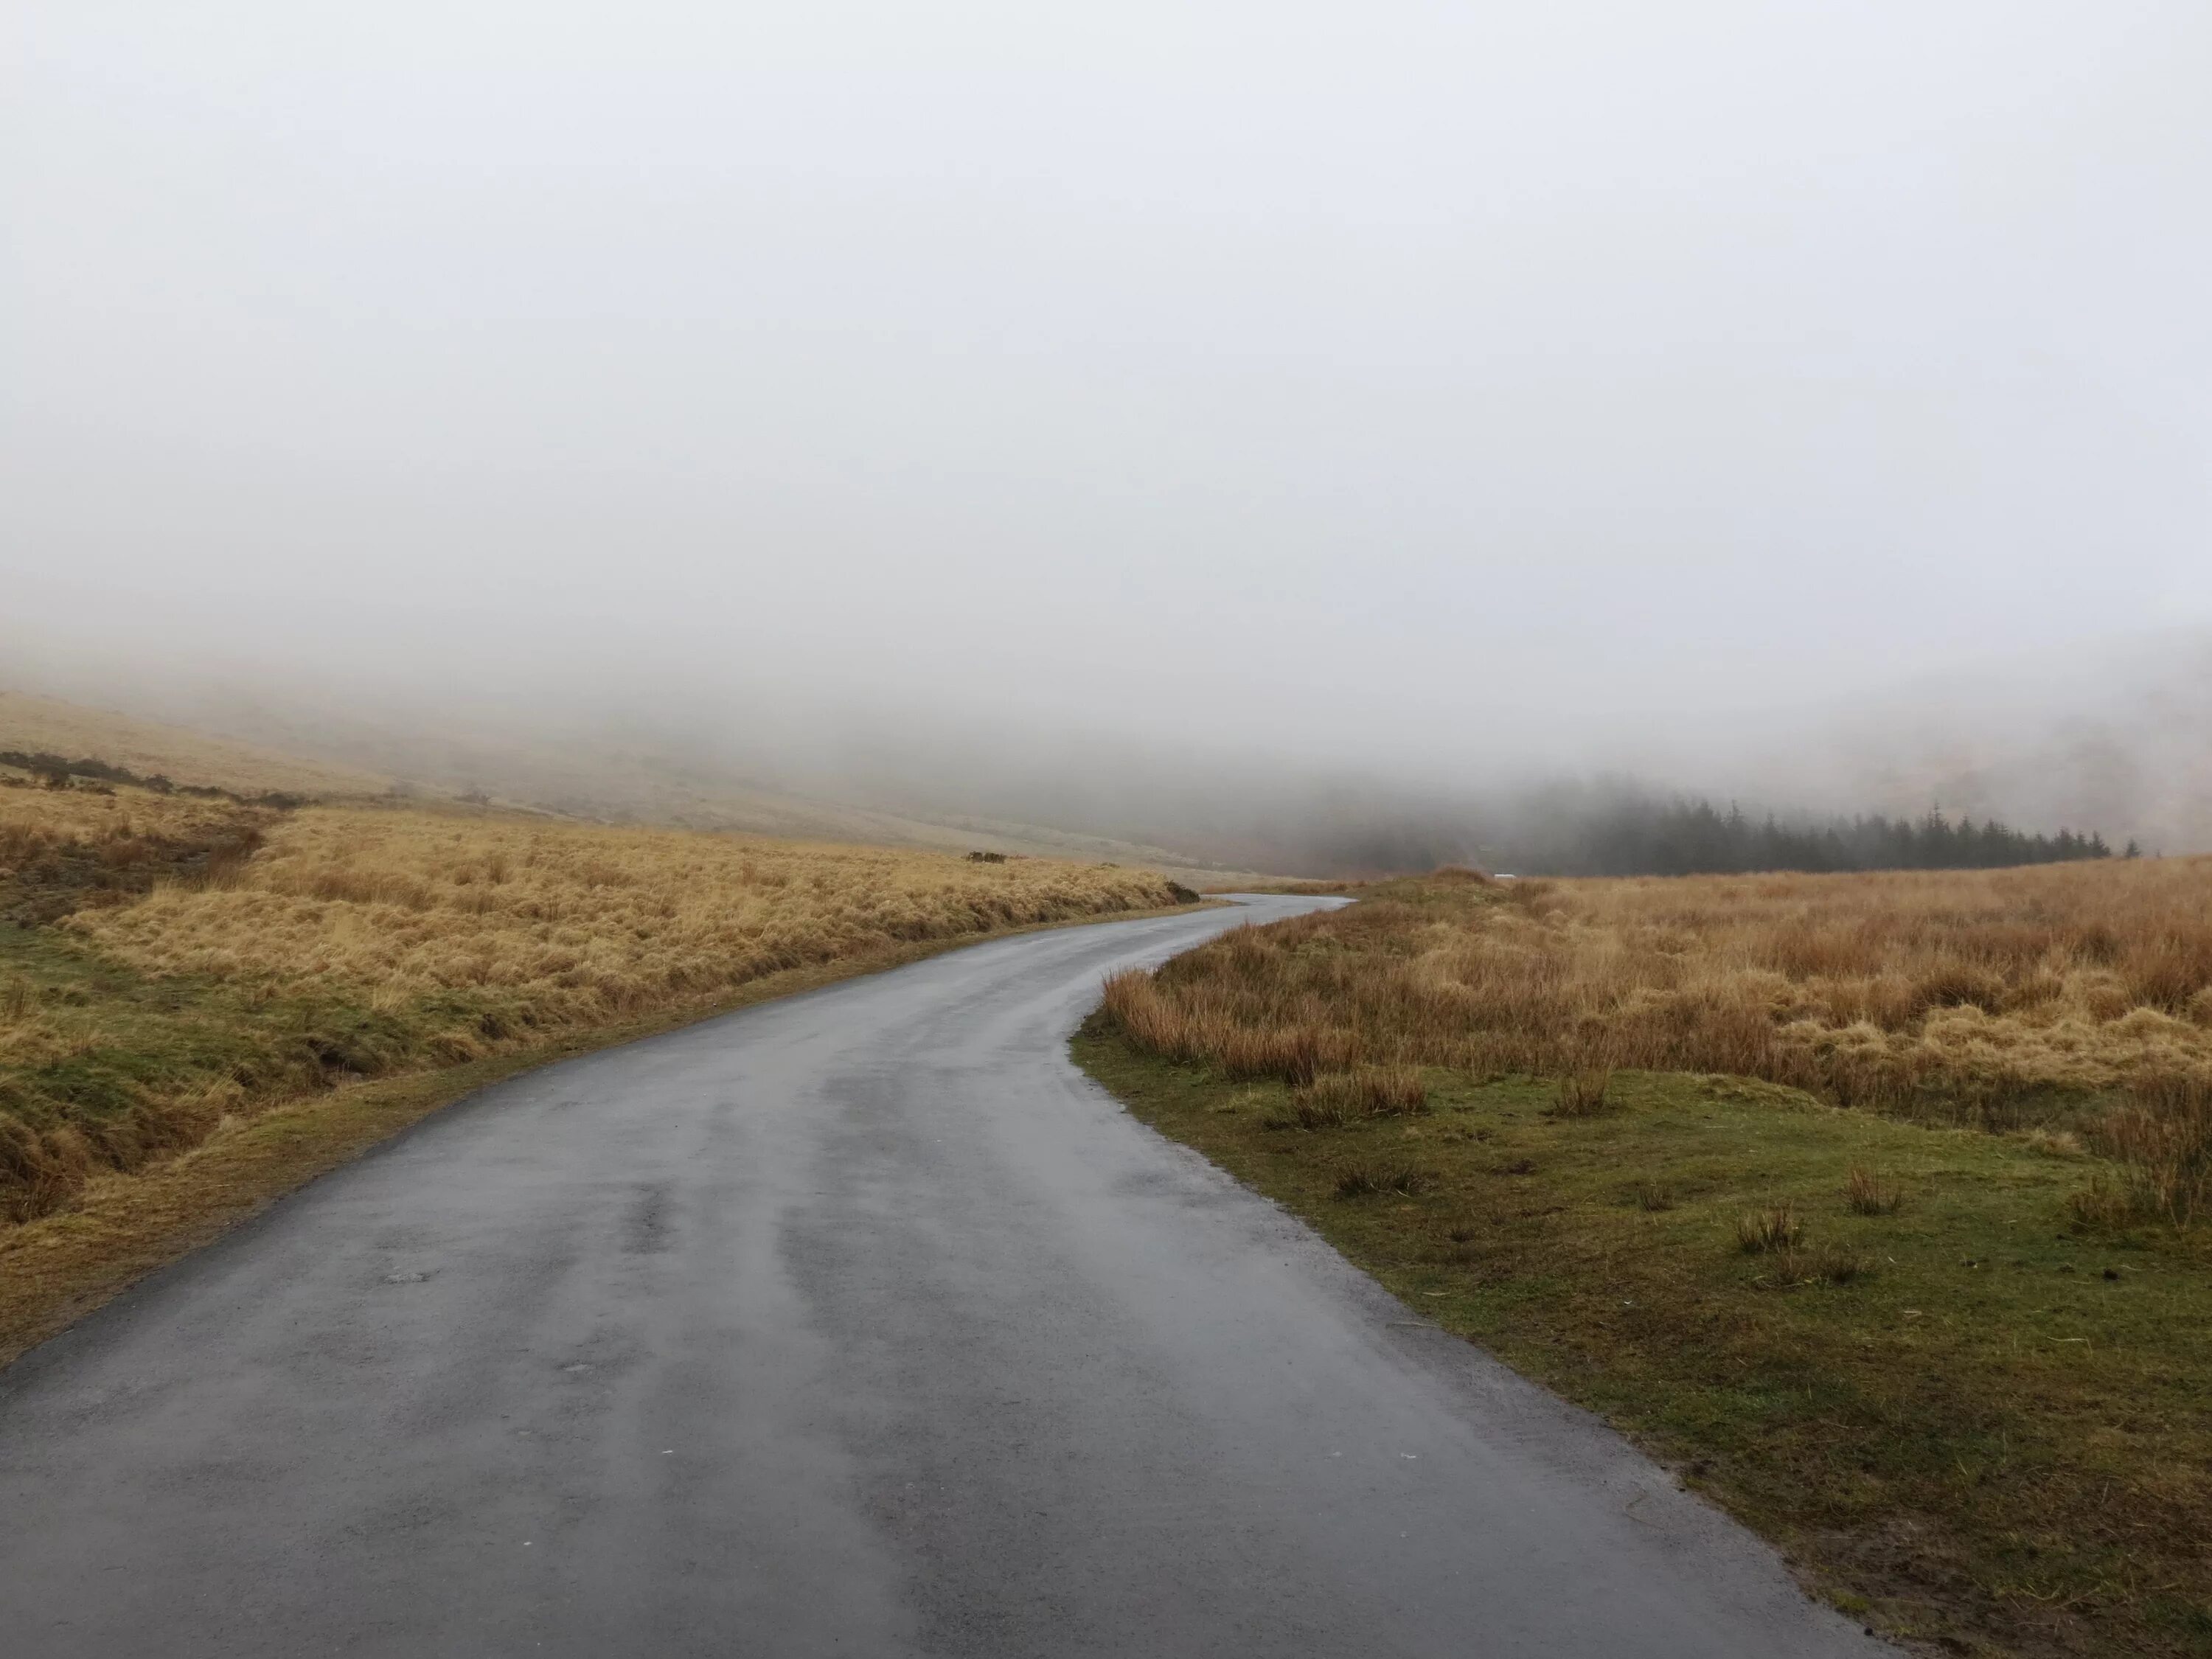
column 1641, row 836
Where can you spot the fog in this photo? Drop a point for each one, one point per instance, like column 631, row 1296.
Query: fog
column 1166, row 420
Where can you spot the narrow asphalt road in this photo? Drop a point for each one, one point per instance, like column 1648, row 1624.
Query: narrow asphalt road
column 857, row 1324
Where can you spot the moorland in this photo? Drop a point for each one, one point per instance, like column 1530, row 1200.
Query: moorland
column 208, row 994
column 1874, row 1203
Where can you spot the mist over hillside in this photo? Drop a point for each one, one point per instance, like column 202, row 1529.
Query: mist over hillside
column 2123, row 750
column 2121, row 739
column 1311, row 439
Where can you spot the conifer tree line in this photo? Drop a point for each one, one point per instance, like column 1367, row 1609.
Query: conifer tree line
column 1642, row 837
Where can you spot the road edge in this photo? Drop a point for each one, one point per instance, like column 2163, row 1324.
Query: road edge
column 59, row 1268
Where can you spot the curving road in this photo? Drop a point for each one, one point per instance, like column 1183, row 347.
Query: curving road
column 856, row 1324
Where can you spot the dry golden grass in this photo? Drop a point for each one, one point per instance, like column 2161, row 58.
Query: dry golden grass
column 2073, row 998
column 1338, row 1097
column 188, row 962
column 66, row 850
column 35, row 821
column 47, row 725
column 574, row 777
column 581, row 923
column 1769, row 1230
column 1977, row 994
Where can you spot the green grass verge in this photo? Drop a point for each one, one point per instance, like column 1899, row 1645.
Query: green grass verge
column 1993, row 1438
column 137, row 1040
column 317, row 1080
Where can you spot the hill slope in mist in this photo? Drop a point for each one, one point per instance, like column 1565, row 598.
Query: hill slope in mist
column 40, row 725
column 598, row 777
column 2118, row 741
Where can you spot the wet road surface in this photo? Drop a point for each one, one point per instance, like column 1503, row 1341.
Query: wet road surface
column 858, row 1324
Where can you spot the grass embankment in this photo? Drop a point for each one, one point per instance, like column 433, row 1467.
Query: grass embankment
column 178, row 974
column 1948, row 1343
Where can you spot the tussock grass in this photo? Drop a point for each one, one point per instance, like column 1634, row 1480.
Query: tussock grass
column 1584, row 1093
column 190, row 962
column 1308, row 1110
column 1366, row 1179
column 1867, row 1193
column 1774, row 1228
column 1335, row 1098
column 2163, row 1136
column 1370, row 1092
column 118, row 831
column 2071, row 999
column 1819, row 1264
column 576, row 923
column 1969, row 995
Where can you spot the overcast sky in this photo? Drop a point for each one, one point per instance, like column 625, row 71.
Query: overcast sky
column 1394, row 375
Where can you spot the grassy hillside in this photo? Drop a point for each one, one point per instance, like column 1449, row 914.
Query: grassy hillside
column 306, row 749
column 173, row 969
column 1873, row 1202
column 46, row 725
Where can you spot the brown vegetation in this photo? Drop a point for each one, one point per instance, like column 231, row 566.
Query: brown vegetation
column 65, row 850
column 1584, row 1093
column 1869, row 1193
column 166, row 963
column 49, row 724
column 574, row 922
column 1764, row 1231
column 2063, row 996
column 1372, row 1092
